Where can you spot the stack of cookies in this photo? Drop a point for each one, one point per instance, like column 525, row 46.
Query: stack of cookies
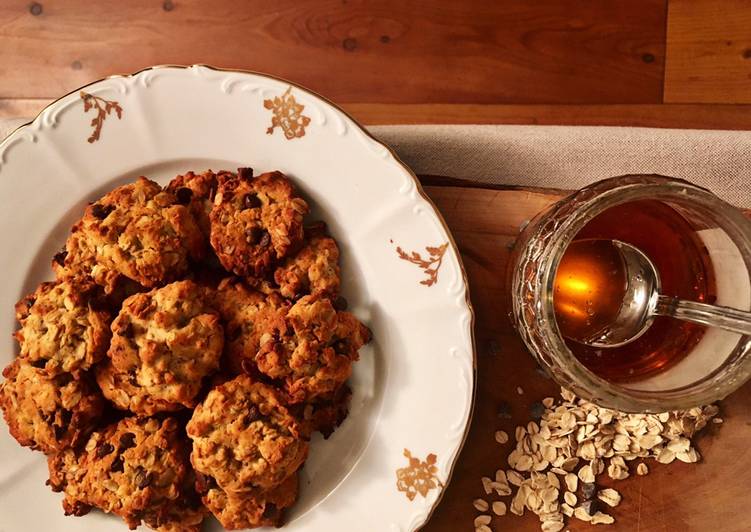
column 193, row 341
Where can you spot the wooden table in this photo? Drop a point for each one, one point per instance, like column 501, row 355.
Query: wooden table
column 665, row 63
column 710, row 495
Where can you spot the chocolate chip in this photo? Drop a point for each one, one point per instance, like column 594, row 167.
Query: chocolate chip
column 104, row 449
column 101, row 211
column 340, row 303
column 265, row 239
column 127, row 441
column 39, row 363
column 252, row 415
column 245, row 173
column 142, row 478
column 536, row 410
column 117, row 465
column 270, row 512
column 340, row 346
column 248, row 366
column 251, row 201
column 588, row 490
column 183, row 195
column 253, row 235
column 504, row 410
column 590, row 506
column 59, row 257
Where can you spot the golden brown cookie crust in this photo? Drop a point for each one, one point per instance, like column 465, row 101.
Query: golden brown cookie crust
column 137, row 469
column 314, row 350
column 141, row 231
column 313, row 270
column 164, row 342
column 60, row 327
column 251, row 508
column 197, row 191
column 45, row 412
column 256, row 221
column 243, row 436
column 245, row 313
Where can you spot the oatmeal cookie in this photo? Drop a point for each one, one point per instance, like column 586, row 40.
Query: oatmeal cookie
column 255, row 221
column 244, row 437
column 143, row 233
column 313, row 270
column 77, row 261
column 164, row 342
column 245, row 314
column 250, row 508
column 313, row 351
column 137, row 469
column 45, row 412
column 60, row 328
column 197, row 192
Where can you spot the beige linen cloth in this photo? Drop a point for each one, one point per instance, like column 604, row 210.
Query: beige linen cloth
column 568, row 157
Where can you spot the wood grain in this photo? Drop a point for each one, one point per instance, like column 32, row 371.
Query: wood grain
column 711, row 495
column 708, row 51
column 390, row 51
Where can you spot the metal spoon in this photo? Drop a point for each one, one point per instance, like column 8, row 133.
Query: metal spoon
column 642, row 302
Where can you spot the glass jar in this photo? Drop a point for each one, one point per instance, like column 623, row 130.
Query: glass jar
column 715, row 367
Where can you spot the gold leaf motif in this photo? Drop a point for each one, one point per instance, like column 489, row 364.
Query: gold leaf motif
column 429, row 265
column 287, row 114
column 103, row 109
column 418, row 477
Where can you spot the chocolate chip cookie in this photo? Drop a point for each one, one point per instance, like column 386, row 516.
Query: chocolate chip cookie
column 251, row 508
column 164, row 342
column 63, row 326
column 313, row 350
column 256, row 221
column 244, row 437
column 137, row 469
column 45, row 412
column 141, row 232
column 313, row 270
column 245, row 313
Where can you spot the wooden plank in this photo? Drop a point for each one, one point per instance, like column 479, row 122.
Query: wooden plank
column 391, row 51
column 708, row 51
column 710, row 495
column 698, row 116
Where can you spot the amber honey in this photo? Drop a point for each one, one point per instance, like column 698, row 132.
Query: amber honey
column 590, row 283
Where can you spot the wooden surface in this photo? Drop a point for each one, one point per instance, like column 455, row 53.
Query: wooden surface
column 710, row 495
column 614, row 62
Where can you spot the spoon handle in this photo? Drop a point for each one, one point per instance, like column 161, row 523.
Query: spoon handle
column 730, row 319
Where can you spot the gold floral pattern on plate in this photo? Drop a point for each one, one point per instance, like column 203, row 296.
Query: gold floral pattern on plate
column 103, row 109
column 287, row 114
column 429, row 265
column 418, row 477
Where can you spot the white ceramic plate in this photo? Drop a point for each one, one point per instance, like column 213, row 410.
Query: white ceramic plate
column 414, row 384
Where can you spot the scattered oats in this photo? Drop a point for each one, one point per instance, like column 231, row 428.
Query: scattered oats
column 519, row 390
column 572, row 481
column 552, row 526
column 602, row 519
column 610, row 497
column 717, row 420
column 480, row 505
column 585, row 474
column 578, row 440
column 582, row 514
column 514, row 478
column 482, row 520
